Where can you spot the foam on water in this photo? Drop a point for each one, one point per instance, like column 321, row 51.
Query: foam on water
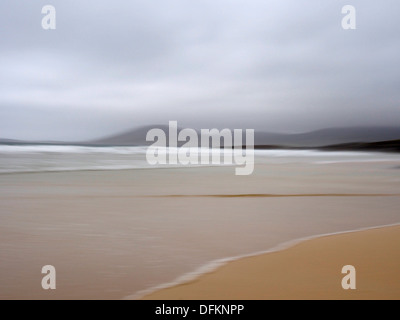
column 29, row 149
column 216, row 264
column 49, row 158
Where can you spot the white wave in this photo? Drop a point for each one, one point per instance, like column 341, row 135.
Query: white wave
column 357, row 160
column 216, row 264
column 142, row 150
column 310, row 153
column 33, row 149
column 48, row 158
column 67, row 169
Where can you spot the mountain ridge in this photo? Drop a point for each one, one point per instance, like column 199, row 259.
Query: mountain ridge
column 311, row 139
column 316, row 138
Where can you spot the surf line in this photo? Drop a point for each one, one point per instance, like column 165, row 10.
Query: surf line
column 267, row 195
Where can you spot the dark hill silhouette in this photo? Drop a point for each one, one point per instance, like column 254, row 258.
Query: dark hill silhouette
column 330, row 137
column 135, row 137
column 323, row 137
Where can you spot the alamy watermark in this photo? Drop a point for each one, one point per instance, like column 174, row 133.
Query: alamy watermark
column 348, row 21
column 186, row 147
column 349, row 280
column 49, row 280
column 49, row 20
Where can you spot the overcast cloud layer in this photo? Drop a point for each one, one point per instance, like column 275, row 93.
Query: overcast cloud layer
column 284, row 66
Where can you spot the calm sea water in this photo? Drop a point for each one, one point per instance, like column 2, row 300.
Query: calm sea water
column 42, row 158
column 111, row 235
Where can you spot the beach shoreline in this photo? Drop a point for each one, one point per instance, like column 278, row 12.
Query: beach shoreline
column 226, row 281
column 113, row 234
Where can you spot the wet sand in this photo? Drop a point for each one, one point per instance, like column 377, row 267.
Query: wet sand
column 112, row 234
column 309, row 270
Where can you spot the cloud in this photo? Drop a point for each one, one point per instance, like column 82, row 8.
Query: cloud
column 285, row 66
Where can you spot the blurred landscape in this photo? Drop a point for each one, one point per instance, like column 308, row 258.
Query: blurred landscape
column 362, row 138
column 78, row 192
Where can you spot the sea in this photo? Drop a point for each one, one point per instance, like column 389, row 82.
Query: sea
column 49, row 158
column 115, row 228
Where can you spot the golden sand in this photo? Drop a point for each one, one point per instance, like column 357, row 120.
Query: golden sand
column 113, row 234
column 309, row 270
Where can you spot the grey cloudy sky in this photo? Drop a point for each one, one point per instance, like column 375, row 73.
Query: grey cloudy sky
column 285, row 66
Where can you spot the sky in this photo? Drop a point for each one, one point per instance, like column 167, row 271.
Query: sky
column 277, row 66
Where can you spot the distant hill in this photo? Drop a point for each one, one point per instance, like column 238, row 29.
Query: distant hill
column 324, row 137
column 387, row 146
column 331, row 137
column 383, row 146
column 135, row 137
column 9, row 141
column 31, row 142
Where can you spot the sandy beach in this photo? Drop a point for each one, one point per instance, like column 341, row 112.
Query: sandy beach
column 116, row 234
column 309, row 270
column 166, row 149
